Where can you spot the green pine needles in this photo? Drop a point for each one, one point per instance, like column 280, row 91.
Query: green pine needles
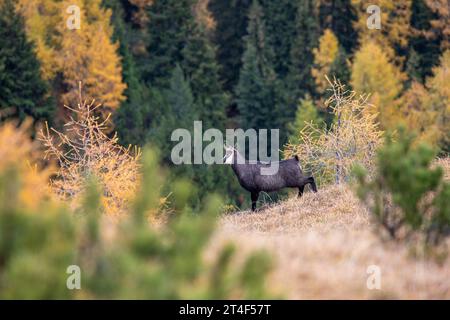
column 408, row 196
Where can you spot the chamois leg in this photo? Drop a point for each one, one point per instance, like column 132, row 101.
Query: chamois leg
column 255, row 196
column 300, row 190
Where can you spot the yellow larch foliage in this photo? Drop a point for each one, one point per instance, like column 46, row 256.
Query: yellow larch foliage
column 439, row 88
column 86, row 54
column 419, row 115
column 91, row 57
column 41, row 20
column 84, row 151
column 395, row 25
column 373, row 74
column 324, row 57
column 18, row 151
column 426, row 109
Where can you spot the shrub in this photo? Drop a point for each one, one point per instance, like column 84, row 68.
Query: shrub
column 330, row 153
column 407, row 196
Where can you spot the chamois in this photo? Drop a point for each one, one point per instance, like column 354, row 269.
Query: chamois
column 289, row 175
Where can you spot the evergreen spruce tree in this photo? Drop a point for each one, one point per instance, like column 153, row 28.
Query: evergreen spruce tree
column 199, row 64
column 185, row 86
column 21, row 86
column 341, row 66
column 132, row 118
column 179, row 111
column 176, row 38
column 170, row 24
column 413, row 67
column 231, row 23
column 279, row 18
column 307, row 112
column 302, row 59
column 339, row 16
column 423, row 51
column 256, row 92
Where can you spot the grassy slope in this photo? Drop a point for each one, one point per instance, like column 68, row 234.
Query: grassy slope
column 323, row 244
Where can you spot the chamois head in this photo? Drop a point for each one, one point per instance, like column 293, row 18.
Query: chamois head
column 229, row 154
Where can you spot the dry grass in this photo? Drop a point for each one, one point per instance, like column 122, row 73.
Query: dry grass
column 323, row 244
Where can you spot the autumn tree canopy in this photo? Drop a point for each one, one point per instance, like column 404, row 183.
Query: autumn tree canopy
column 72, row 55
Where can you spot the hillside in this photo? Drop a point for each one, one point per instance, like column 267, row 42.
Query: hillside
column 323, row 244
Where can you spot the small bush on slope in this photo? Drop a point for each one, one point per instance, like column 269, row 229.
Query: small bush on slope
column 330, row 153
column 84, row 150
column 408, row 198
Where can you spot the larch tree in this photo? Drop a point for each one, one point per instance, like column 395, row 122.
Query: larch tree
column 330, row 62
column 85, row 151
column 440, row 95
column 419, row 115
column 41, row 20
column 22, row 90
column 395, row 26
column 373, row 74
column 86, row 54
column 90, row 56
column 324, row 56
column 426, row 108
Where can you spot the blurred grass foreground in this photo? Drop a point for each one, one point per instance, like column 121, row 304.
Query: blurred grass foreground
column 148, row 251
